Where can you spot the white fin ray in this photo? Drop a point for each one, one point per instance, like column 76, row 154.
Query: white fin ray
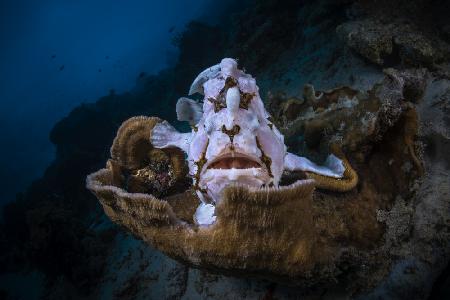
column 204, row 215
column 334, row 167
column 165, row 135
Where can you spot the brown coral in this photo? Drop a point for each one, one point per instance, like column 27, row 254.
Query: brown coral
column 251, row 232
column 140, row 168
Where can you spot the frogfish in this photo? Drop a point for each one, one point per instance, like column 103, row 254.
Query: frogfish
column 233, row 140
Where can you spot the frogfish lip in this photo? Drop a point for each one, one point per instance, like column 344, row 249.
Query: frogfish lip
column 234, row 160
column 232, row 167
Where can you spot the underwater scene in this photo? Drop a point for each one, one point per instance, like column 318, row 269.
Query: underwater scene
column 253, row 149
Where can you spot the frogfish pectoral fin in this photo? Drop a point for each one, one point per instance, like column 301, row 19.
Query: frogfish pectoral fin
column 336, row 175
column 165, row 135
column 333, row 167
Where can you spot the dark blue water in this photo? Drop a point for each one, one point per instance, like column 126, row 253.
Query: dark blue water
column 58, row 54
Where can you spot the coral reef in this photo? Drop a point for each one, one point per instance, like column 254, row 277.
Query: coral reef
column 79, row 253
column 290, row 234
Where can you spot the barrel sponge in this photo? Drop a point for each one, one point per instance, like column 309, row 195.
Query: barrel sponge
column 255, row 232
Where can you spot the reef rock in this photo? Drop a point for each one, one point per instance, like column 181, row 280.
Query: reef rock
column 387, row 39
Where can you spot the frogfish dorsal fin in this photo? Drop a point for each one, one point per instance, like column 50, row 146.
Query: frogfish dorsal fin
column 204, row 76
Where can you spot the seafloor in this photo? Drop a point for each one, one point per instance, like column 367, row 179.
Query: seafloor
column 56, row 242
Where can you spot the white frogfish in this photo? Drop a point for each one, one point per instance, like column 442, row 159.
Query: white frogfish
column 232, row 140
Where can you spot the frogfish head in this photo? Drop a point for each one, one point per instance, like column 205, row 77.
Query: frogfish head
column 234, row 142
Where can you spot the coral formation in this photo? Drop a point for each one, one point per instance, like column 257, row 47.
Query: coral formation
column 243, row 215
column 385, row 43
column 141, row 168
column 290, row 234
column 386, row 247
